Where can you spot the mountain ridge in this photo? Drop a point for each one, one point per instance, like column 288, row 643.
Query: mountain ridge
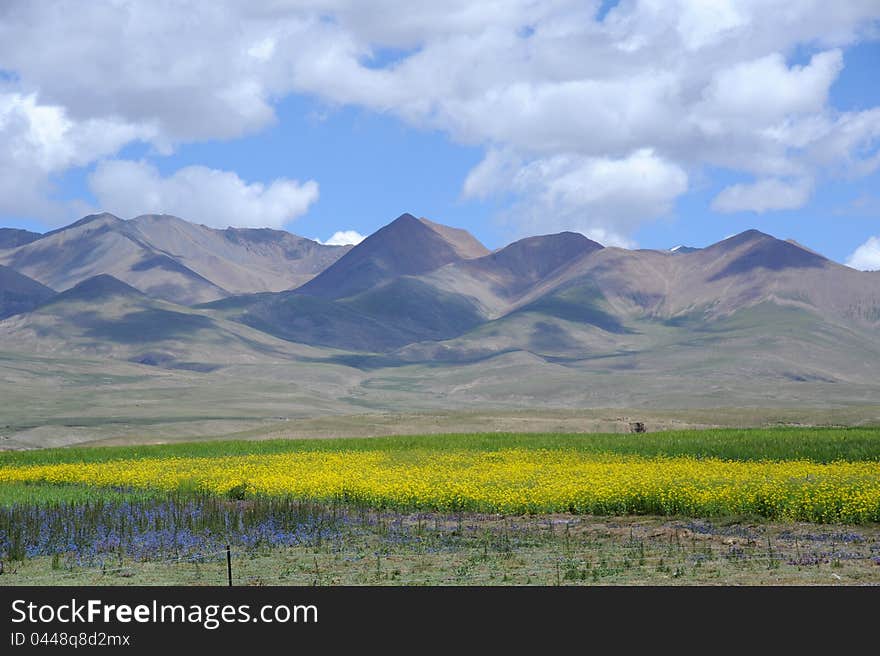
column 416, row 281
column 170, row 258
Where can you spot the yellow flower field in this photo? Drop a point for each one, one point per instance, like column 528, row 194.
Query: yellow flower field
column 508, row 481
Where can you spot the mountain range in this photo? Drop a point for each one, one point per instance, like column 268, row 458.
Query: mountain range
column 422, row 315
column 167, row 257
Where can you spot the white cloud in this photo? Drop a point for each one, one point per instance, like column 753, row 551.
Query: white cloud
column 763, row 196
column 38, row 141
column 192, row 72
column 605, row 199
column 696, row 84
column 707, row 21
column 867, row 256
column 343, row 238
column 263, row 49
column 766, row 90
column 203, row 195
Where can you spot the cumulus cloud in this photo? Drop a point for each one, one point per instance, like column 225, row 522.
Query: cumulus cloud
column 763, row 196
column 38, row 140
column 604, row 198
column 343, row 238
column 215, row 198
column 766, row 89
column 867, row 256
column 564, row 96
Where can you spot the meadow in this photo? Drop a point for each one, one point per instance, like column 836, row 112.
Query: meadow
column 745, row 444
column 76, row 511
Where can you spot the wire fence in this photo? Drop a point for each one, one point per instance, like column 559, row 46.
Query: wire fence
column 198, row 558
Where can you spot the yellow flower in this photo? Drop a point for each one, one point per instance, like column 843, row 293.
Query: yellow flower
column 510, row 481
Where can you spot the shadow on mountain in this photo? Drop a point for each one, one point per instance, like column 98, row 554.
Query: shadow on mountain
column 165, row 263
column 18, row 293
column 148, row 326
column 547, row 336
column 534, row 258
column 317, row 321
column 772, row 254
column 15, row 237
column 580, row 304
column 419, row 309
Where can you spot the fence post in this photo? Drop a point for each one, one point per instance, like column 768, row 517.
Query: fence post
column 229, row 565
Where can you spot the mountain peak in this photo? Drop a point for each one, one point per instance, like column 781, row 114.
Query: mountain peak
column 753, row 249
column 103, row 218
column 92, row 221
column 681, row 249
column 406, row 246
column 98, row 287
column 100, row 216
column 18, row 293
column 535, row 257
column 745, row 237
column 406, row 217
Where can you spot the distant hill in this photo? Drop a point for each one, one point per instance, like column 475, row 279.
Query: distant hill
column 172, row 259
column 18, row 293
column 14, row 237
column 103, row 316
column 101, row 287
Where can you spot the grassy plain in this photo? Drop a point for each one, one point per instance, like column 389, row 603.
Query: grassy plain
column 823, row 445
column 50, row 400
column 473, row 549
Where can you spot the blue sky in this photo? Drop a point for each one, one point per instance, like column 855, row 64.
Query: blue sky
column 401, row 124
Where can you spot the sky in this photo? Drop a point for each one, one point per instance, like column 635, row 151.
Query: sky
column 643, row 124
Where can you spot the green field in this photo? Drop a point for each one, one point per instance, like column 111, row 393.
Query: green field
column 814, row 444
column 58, row 533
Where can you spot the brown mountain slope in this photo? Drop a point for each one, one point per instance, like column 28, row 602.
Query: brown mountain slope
column 105, row 244
column 464, row 243
column 171, row 259
column 240, row 260
column 406, row 246
column 740, row 272
column 750, row 308
column 561, row 293
column 498, row 279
